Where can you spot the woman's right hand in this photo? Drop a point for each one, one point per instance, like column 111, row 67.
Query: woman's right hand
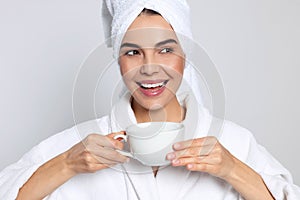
column 94, row 153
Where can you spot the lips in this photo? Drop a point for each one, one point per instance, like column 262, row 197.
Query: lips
column 152, row 88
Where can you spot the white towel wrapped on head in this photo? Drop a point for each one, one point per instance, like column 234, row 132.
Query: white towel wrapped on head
column 118, row 15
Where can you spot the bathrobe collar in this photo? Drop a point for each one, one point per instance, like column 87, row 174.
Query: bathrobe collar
column 172, row 180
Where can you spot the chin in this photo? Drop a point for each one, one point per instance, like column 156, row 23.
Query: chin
column 154, row 107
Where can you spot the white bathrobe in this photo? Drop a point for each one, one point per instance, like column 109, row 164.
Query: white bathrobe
column 170, row 183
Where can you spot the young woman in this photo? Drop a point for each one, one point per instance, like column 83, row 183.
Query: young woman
column 152, row 63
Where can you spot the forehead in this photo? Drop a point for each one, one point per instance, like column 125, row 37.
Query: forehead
column 147, row 30
column 150, row 21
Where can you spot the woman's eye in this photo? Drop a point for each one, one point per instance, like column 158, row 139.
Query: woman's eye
column 132, row 52
column 166, row 50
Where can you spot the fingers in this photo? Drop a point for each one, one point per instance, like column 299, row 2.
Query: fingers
column 100, row 158
column 200, row 151
column 112, row 135
column 106, row 162
column 201, row 167
column 191, row 152
column 117, row 142
column 203, row 154
column 105, row 152
column 211, row 159
column 93, row 163
column 195, row 147
column 103, row 147
column 95, row 152
column 200, row 163
column 91, row 158
column 111, row 154
column 199, row 142
column 102, row 140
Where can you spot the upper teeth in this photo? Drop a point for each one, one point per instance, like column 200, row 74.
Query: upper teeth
column 154, row 85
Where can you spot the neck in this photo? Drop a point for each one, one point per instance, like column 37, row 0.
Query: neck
column 172, row 112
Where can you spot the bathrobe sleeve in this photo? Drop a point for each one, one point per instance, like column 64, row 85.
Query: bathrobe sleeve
column 13, row 177
column 278, row 179
column 242, row 144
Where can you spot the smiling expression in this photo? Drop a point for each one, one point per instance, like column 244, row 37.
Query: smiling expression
column 151, row 61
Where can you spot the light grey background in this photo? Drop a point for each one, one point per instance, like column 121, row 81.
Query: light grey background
column 255, row 45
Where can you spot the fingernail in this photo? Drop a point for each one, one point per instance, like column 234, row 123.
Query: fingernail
column 170, row 156
column 190, row 166
column 127, row 160
column 176, row 146
column 176, row 162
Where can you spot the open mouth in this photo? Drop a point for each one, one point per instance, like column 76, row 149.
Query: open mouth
column 152, row 88
column 148, row 85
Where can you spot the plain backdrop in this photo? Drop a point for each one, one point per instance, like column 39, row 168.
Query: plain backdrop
column 255, row 45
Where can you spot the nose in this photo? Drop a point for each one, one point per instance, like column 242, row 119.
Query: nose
column 149, row 66
column 149, row 69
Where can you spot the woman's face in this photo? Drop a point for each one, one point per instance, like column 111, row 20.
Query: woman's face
column 151, row 61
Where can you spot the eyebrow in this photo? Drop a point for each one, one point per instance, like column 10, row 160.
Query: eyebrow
column 165, row 42
column 132, row 45
column 127, row 44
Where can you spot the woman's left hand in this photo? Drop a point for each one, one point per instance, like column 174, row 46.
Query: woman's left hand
column 205, row 155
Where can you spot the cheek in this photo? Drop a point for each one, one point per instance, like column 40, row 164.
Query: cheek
column 176, row 65
column 123, row 66
column 128, row 71
column 180, row 66
column 127, row 65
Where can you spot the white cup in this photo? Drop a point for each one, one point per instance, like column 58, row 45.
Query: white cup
column 151, row 141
